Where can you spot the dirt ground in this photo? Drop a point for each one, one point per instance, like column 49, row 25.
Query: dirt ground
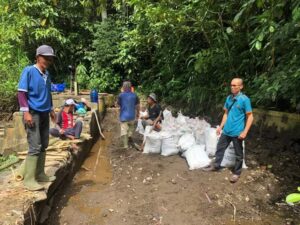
column 117, row 187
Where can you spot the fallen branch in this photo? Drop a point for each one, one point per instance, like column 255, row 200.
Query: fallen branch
column 49, row 158
column 208, row 198
column 180, row 177
column 85, row 168
column 234, row 209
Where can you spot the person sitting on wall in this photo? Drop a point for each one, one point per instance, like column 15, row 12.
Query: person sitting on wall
column 83, row 104
column 154, row 113
column 65, row 127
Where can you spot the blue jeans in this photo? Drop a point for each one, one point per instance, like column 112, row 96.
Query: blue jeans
column 222, row 145
column 74, row 131
column 38, row 135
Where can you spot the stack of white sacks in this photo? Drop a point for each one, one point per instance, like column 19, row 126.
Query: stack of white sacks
column 193, row 139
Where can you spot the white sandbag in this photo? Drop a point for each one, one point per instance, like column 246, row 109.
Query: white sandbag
column 200, row 137
column 196, row 157
column 211, row 141
column 186, row 141
column 230, row 157
column 169, row 122
column 181, row 119
column 176, row 138
column 152, row 145
column 140, row 129
column 169, row 146
column 152, row 141
column 168, row 116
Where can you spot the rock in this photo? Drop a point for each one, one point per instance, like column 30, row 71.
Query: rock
column 105, row 213
column 247, row 199
column 253, row 163
column 173, row 181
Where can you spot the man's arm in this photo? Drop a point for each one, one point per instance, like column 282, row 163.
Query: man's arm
column 224, row 119
column 137, row 109
column 24, row 107
column 248, row 125
column 52, row 113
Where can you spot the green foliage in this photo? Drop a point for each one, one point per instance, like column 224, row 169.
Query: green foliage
column 105, row 72
column 186, row 51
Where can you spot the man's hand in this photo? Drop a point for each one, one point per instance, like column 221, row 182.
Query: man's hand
column 53, row 116
column 243, row 135
column 28, row 119
column 219, row 130
column 61, row 131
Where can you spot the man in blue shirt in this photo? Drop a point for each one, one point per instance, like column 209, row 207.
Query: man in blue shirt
column 34, row 96
column 129, row 111
column 236, row 122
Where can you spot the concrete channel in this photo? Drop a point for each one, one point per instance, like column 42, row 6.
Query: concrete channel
column 19, row 206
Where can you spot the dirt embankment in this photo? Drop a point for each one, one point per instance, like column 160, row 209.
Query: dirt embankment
column 127, row 187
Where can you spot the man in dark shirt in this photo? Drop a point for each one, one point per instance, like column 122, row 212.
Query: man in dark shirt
column 154, row 111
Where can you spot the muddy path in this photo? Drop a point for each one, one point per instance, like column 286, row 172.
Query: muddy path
column 117, row 187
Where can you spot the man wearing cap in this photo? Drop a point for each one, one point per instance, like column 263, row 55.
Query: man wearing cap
column 129, row 111
column 154, row 112
column 65, row 127
column 35, row 100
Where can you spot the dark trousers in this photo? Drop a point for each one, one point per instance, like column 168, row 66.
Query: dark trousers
column 222, row 145
column 38, row 135
column 74, row 131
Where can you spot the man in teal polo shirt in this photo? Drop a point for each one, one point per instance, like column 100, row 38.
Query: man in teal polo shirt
column 36, row 104
column 236, row 122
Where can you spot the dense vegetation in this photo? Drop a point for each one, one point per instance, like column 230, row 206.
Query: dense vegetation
column 186, row 51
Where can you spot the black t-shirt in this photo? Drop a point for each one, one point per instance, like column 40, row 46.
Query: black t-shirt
column 154, row 112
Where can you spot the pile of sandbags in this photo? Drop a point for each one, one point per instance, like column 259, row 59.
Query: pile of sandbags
column 194, row 138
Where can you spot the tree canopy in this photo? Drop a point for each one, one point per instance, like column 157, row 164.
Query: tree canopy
column 186, row 51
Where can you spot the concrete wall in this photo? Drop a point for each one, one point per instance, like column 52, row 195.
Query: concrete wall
column 13, row 137
column 273, row 123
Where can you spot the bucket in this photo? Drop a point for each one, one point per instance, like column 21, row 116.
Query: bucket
column 94, row 96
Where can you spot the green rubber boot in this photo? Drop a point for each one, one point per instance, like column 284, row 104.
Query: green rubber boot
column 29, row 175
column 125, row 141
column 40, row 170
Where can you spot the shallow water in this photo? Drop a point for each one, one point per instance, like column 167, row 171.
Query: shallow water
column 94, row 175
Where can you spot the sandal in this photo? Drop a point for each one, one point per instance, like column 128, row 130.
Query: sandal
column 234, row 178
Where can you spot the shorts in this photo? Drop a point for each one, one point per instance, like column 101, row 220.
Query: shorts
column 127, row 128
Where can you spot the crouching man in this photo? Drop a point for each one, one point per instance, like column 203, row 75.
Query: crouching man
column 154, row 116
column 65, row 127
